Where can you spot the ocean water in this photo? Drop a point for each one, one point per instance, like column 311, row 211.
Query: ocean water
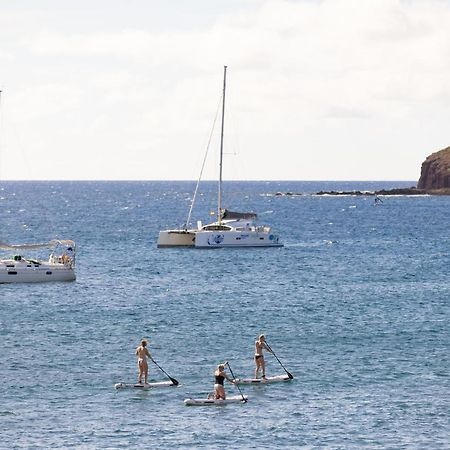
column 356, row 306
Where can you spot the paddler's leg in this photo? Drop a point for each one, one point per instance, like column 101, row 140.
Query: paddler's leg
column 145, row 365
column 263, row 367
column 220, row 391
column 258, row 360
column 140, row 370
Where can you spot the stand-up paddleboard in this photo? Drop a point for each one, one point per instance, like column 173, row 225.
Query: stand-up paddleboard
column 212, row 401
column 267, row 380
column 156, row 384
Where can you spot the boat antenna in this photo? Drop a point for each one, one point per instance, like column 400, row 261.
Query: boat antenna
column 201, row 170
column 219, row 205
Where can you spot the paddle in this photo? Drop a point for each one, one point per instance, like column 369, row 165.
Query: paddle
column 175, row 382
column 239, row 389
column 273, row 353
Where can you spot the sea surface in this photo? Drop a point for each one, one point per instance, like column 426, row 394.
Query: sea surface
column 356, row 306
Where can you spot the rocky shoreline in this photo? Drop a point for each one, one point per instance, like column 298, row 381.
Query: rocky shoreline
column 396, row 191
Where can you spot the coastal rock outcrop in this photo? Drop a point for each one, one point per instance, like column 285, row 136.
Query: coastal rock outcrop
column 435, row 173
column 396, row 191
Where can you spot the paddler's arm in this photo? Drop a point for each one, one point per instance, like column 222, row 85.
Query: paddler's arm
column 267, row 348
column 231, row 380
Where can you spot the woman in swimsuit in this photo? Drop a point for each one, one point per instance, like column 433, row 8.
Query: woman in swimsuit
column 142, row 353
column 260, row 345
column 219, row 377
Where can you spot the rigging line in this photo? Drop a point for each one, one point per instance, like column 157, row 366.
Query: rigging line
column 203, row 166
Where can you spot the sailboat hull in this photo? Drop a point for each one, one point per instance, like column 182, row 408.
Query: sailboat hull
column 24, row 272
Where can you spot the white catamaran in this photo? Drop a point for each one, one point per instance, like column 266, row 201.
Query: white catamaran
column 232, row 229
column 60, row 265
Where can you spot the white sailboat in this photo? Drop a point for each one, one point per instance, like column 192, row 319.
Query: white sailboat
column 232, row 229
column 60, row 266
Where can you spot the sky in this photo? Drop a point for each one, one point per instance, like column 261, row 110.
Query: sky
column 129, row 89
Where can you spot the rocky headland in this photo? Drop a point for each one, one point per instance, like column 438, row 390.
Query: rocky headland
column 435, row 173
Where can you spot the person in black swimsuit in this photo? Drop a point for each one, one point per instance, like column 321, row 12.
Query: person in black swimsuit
column 219, row 377
column 260, row 345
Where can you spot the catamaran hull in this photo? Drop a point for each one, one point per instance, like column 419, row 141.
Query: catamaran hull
column 176, row 238
column 39, row 274
column 214, row 239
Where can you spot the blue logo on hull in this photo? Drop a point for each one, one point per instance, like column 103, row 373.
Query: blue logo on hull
column 215, row 239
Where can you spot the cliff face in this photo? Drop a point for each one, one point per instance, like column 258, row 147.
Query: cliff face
column 435, row 173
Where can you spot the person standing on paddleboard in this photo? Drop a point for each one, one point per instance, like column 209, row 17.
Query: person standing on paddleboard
column 219, row 377
column 142, row 353
column 260, row 345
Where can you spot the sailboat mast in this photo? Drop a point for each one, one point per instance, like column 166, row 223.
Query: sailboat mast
column 219, row 206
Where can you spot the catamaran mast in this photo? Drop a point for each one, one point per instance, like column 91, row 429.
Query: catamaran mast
column 219, row 206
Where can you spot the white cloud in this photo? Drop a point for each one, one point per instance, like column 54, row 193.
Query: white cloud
column 316, row 88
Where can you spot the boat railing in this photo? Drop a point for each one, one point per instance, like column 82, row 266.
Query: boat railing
column 67, row 260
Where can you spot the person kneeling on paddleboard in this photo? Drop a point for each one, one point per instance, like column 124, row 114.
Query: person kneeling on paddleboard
column 219, row 377
column 260, row 345
column 142, row 353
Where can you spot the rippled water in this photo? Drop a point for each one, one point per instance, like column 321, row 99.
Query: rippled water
column 356, row 306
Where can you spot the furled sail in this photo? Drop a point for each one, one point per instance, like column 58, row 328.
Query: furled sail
column 231, row 215
column 52, row 244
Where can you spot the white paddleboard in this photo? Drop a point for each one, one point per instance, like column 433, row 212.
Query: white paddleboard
column 156, row 384
column 211, row 401
column 274, row 379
